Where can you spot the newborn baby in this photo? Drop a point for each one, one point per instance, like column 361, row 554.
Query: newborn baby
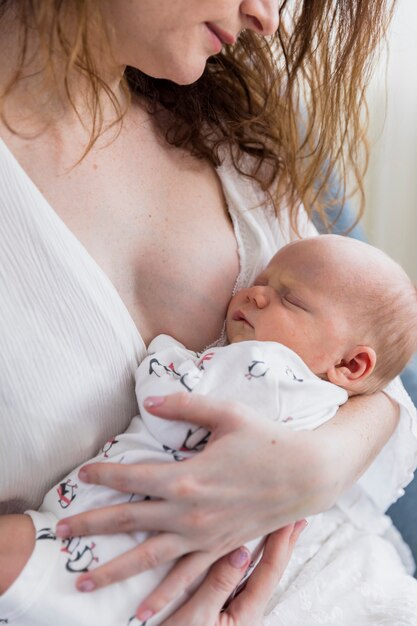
column 329, row 317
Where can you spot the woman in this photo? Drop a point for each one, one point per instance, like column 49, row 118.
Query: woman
column 117, row 113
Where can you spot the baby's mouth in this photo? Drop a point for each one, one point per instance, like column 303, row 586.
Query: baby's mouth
column 238, row 316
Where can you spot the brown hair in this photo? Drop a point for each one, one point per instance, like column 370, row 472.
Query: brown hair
column 294, row 102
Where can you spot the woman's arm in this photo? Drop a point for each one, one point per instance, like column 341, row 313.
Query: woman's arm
column 355, row 436
column 17, row 540
column 274, row 476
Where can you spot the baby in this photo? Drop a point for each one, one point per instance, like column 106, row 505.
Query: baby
column 329, row 317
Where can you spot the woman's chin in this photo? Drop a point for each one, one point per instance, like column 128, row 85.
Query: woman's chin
column 189, row 77
column 181, row 75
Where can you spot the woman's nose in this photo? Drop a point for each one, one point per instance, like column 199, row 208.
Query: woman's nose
column 258, row 297
column 261, row 16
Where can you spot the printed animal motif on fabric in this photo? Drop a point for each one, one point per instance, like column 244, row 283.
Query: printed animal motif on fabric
column 174, row 453
column 190, row 379
column 108, row 446
column 45, row 533
column 66, row 493
column 291, row 375
column 159, row 369
column 135, row 497
column 195, row 440
column 205, row 359
column 81, row 554
column 257, row 369
column 189, row 376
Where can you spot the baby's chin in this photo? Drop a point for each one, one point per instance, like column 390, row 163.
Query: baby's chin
column 238, row 331
column 238, row 337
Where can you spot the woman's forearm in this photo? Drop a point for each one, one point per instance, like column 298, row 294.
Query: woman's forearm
column 354, row 437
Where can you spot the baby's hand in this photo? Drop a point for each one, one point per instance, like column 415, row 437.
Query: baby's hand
column 17, row 541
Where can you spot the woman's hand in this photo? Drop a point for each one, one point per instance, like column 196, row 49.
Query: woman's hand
column 252, row 477
column 17, row 540
column 238, row 488
column 248, row 607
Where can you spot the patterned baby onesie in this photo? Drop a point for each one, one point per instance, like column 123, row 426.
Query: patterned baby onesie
column 265, row 376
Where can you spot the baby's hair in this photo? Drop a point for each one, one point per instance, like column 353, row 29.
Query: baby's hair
column 380, row 304
column 390, row 312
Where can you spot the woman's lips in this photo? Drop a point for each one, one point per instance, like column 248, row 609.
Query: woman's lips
column 219, row 36
column 223, row 35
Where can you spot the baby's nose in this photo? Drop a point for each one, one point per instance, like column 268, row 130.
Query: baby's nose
column 262, row 300
column 259, row 297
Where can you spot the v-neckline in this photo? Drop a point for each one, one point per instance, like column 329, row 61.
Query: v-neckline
column 77, row 244
column 101, row 274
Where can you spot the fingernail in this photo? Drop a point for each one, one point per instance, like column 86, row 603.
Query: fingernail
column 153, row 401
column 239, row 558
column 86, row 585
column 300, row 526
column 144, row 614
column 83, row 475
column 63, row 530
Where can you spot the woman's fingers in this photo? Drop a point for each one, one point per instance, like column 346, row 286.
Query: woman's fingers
column 148, row 555
column 129, row 478
column 121, row 518
column 248, row 607
column 184, row 573
column 204, row 606
column 194, row 408
column 277, row 553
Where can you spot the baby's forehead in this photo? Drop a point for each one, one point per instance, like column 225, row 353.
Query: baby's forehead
column 331, row 253
column 305, row 257
column 342, row 267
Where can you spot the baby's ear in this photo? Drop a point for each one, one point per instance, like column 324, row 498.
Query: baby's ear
column 358, row 364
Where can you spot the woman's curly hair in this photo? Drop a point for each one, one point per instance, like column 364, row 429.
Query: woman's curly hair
column 294, row 102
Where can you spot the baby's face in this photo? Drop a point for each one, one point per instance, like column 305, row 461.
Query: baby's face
column 297, row 301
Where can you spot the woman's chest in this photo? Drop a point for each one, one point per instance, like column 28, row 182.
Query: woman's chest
column 173, row 259
column 156, row 222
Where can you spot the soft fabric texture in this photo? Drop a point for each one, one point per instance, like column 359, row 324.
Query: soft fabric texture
column 70, row 350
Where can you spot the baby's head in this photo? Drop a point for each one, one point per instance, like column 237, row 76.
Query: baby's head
column 345, row 307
